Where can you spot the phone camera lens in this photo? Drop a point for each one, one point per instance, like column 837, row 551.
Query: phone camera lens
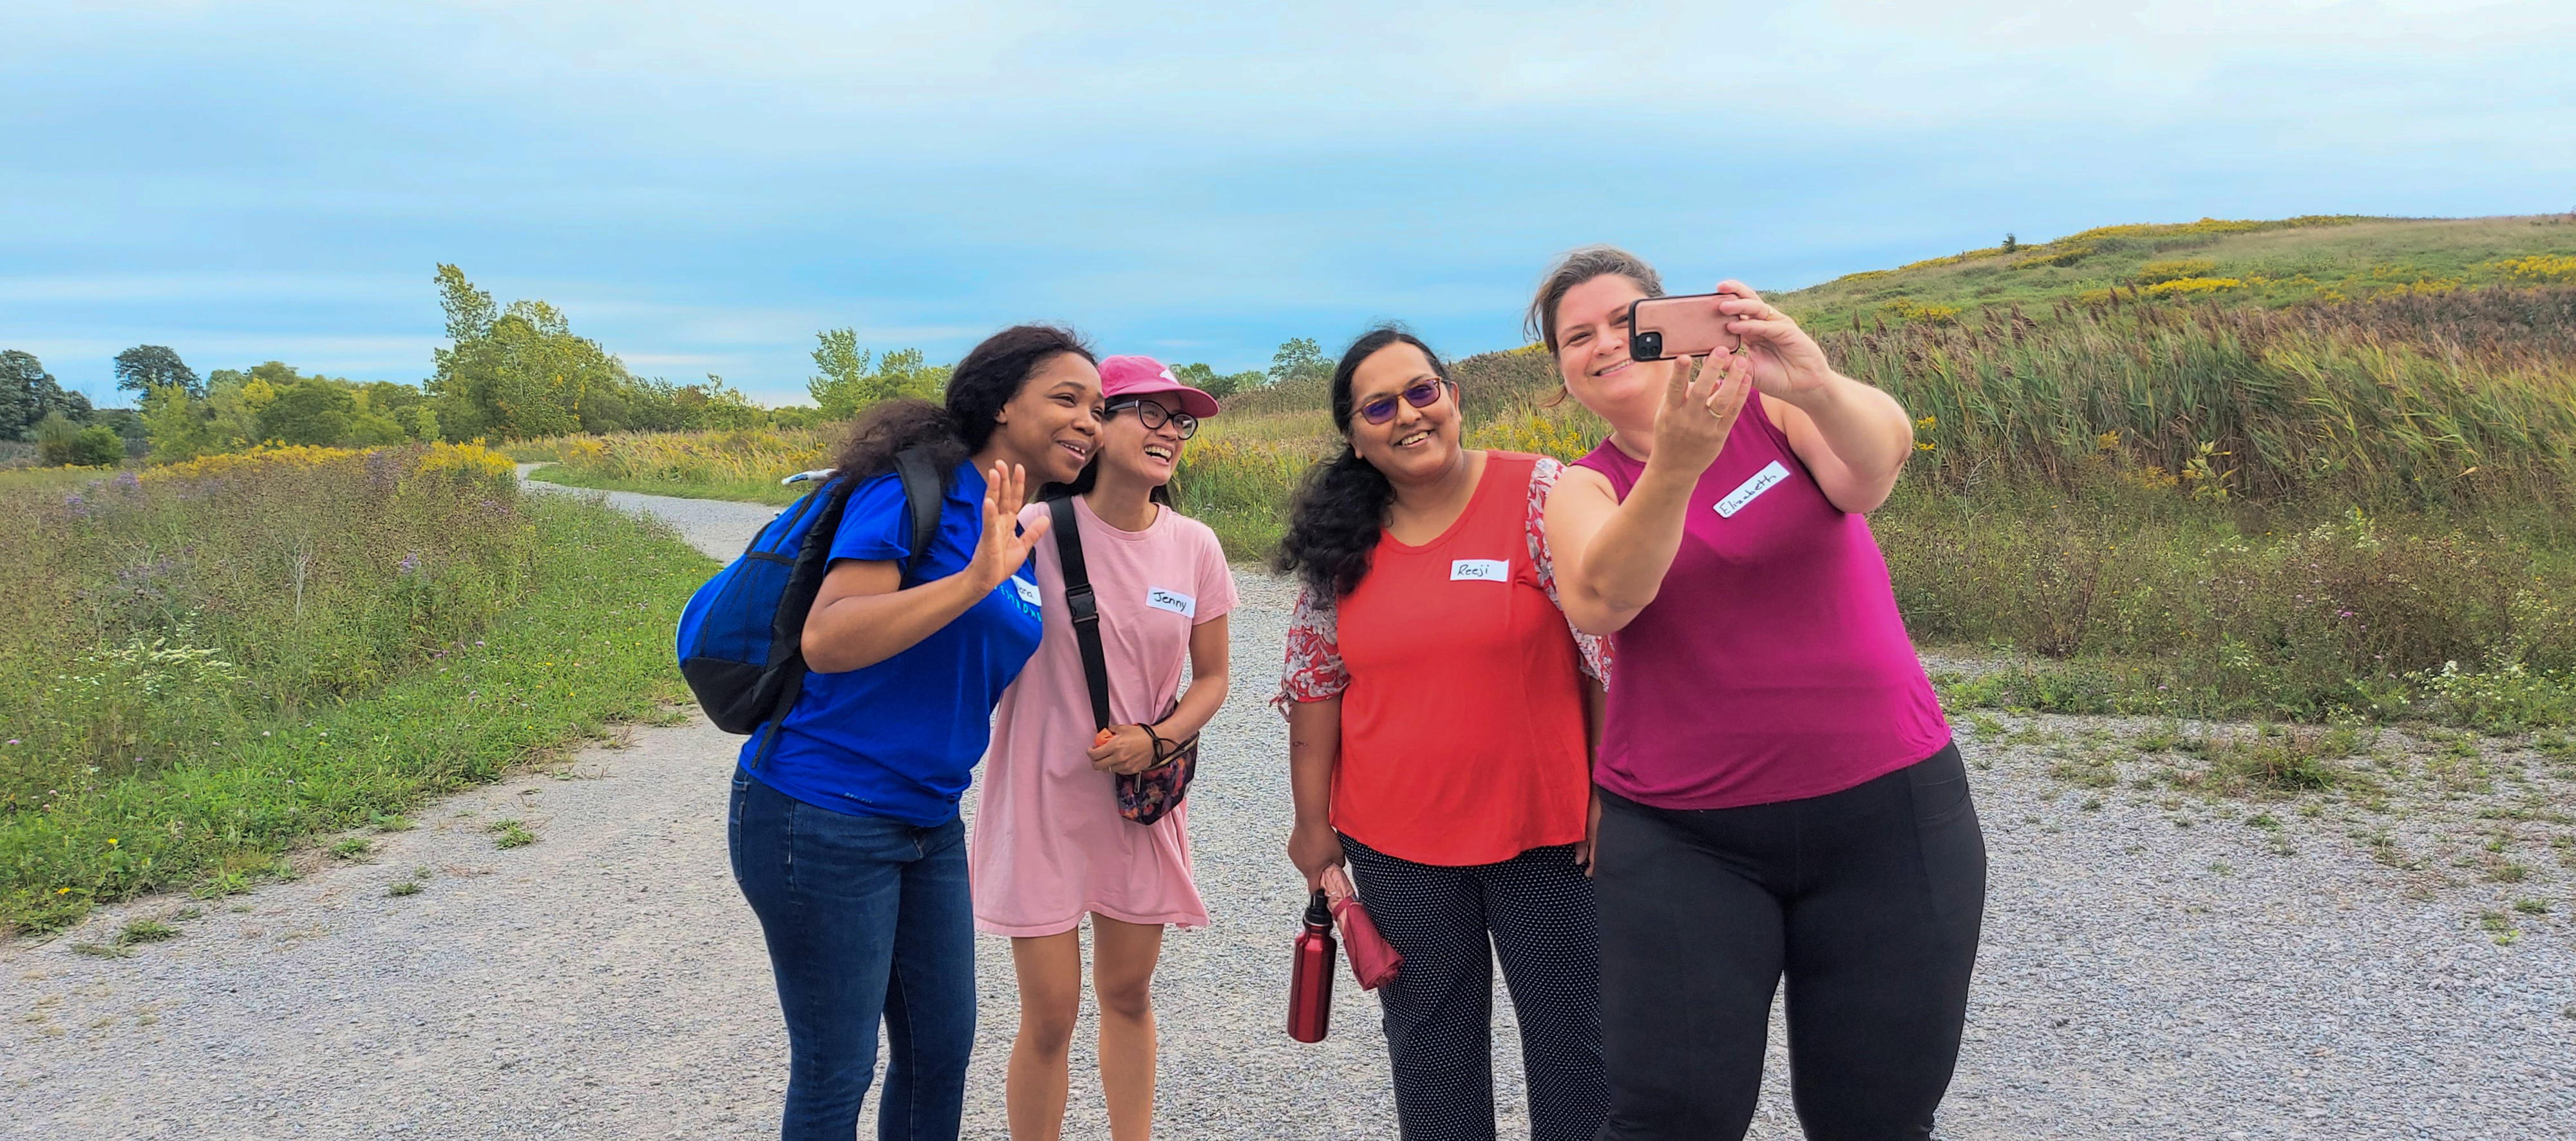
column 1647, row 346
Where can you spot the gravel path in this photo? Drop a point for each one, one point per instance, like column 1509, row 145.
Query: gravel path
column 721, row 528
column 2340, row 975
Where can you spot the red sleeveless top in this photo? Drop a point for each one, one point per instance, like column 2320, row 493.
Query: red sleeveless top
column 1772, row 665
column 1462, row 724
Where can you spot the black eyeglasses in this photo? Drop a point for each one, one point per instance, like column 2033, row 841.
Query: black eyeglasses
column 1421, row 395
column 1154, row 415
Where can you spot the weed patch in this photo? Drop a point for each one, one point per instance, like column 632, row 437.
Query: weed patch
column 585, row 642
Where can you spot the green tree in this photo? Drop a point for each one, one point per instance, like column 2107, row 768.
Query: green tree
column 177, row 424
column 839, row 383
column 140, row 368
column 312, row 410
column 1206, row 379
column 521, row 372
column 28, row 394
column 849, row 378
column 716, row 404
column 1299, row 359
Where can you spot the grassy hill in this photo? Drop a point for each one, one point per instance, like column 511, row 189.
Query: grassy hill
column 2313, row 259
column 2325, row 261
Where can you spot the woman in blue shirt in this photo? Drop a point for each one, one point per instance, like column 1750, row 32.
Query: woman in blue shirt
column 845, row 837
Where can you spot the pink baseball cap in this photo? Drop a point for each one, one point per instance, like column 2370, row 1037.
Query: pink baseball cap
column 1143, row 376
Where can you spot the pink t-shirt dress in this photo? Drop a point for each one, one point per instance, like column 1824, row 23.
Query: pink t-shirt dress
column 1049, row 844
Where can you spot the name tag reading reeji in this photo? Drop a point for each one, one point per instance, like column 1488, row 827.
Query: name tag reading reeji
column 1172, row 600
column 1028, row 590
column 1480, row 570
column 1764, row 480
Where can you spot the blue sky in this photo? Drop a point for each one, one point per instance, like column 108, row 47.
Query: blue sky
column 702, row 186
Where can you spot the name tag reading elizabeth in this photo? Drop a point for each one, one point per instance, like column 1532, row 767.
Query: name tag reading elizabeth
column 1764, row 480
column 1178, row 603
column 1480, row 570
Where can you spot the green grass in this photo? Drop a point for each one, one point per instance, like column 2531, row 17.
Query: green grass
column 738, row 490
column 586, row 644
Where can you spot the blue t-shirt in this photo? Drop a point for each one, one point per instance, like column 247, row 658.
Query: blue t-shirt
column 900, row 738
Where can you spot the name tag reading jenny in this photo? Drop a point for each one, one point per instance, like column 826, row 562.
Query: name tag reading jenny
column 1162, row 598
column 1764, row 480
column 1480, row 570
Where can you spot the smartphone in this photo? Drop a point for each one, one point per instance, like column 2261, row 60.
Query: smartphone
column 1660, row 328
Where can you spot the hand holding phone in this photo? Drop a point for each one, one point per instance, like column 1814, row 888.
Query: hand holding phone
column 1660, row 328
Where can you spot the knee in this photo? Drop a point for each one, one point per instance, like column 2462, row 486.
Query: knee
column 1128, row 1000
column 834, row 1079
column 1046, row 1028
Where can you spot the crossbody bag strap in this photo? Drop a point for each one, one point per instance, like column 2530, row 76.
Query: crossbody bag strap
column 1083, row 607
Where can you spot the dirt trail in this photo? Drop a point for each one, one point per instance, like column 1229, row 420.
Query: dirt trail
column 2139, row 979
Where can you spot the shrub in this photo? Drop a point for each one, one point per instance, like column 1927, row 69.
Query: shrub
column 2183, row 286
column 2539, row 268
column 2159, row 272
column 60, row 442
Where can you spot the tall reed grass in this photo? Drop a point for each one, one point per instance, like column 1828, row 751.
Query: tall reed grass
column 2458, row 399
column 745, row 464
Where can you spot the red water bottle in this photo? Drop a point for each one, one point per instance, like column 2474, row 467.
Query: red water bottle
column 1310, row 985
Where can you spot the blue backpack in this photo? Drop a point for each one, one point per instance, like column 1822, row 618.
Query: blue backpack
column 741, row 637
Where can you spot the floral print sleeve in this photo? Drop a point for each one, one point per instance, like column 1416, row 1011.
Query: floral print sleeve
column 1595, row 650
column 1314, row 669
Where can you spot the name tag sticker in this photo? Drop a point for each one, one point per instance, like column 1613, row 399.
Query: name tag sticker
column 1480, row 570
column 1028, row 590
column 1764, row 480
column 1178, row 603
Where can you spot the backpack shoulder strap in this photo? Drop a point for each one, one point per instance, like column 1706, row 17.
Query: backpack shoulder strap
column 1083, row 606
column 924, row 487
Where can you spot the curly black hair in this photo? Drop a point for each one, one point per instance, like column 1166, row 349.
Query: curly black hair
column 980, row 385
column 1341, row 504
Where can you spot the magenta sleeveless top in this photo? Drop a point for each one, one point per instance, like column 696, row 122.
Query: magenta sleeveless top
column 1772, row 664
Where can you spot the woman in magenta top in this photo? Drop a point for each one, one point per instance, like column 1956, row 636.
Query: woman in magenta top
column 1778, row 794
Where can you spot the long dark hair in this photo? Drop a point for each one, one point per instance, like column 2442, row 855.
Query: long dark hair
column 978, row 387
column 1341, row 505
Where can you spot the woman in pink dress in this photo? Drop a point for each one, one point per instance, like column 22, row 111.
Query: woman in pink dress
column 1049, row 843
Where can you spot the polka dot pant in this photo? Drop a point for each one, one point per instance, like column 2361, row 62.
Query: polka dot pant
column 1535, row 912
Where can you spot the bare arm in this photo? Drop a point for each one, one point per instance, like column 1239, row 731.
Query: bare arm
column 1314, row 747
column 1130, row 750
column 1210, row 651
column 1611, row 555
column 860, row 618
column 1596, row 707
column 1853, row 438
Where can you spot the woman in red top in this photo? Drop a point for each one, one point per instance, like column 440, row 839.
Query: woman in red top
column 1441, row 715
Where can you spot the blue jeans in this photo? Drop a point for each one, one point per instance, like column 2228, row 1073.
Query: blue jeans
column 867, row 918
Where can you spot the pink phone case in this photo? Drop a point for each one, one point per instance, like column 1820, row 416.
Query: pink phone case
column 1687, row 326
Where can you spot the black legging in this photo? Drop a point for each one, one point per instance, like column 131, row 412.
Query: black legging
column 1868, row 899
